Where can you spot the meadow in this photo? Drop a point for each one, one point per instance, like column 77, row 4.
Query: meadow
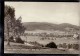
column 30, row 49
column 51, row 39
column 24, row 49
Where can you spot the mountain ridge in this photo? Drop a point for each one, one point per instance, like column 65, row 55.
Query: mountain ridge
column 49, row 26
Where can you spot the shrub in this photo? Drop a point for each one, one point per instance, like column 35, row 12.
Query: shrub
column 51, row 45
column 11, row 39
column 64, row 45
column 76, row 46
column 19, row 40
column 42, row 45
column 69, row 46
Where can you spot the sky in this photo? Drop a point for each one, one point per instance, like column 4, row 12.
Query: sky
column 52, row 12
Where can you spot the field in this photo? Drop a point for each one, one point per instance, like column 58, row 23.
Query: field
column 30, row 49
column 46, row 41
column 21, row 48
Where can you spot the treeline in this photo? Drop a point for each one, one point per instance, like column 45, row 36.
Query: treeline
column 12, row 26
column 48, row 35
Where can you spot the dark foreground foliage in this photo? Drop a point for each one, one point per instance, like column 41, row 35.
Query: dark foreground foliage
column 19, row 40
column 51, row 45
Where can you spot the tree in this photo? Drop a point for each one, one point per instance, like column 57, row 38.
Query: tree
column 9, row 20
column 19, row 29
column 12, row 27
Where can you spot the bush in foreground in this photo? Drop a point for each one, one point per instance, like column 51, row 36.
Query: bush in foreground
column 51, row 45
column 19, row 40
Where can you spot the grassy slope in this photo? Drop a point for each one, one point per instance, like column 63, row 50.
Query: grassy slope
column 21, row 48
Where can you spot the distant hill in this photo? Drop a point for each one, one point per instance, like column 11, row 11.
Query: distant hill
column 49, row 26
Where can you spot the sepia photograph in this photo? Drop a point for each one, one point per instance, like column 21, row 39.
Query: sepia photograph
column 41, row 27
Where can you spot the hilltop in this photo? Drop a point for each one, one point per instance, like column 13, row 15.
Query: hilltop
column 49, row 26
